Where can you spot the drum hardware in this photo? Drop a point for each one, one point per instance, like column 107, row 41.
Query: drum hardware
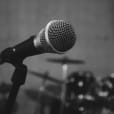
column 64, row 62
column 42, row 90
column 89, row 102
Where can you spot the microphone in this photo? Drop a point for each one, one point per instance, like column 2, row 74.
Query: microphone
column 57, row 37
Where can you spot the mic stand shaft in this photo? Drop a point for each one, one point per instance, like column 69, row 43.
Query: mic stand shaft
column 18, row 79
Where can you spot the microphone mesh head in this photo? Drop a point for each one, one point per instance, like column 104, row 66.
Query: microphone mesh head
column 60, row 35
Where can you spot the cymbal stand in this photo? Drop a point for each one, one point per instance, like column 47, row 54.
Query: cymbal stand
column 63, row 90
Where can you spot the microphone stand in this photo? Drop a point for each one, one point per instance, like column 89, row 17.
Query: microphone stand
column 18, row 79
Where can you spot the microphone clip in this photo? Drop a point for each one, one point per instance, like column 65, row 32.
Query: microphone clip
column 9, row 55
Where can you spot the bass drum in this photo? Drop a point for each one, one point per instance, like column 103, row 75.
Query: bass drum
column 78, row 85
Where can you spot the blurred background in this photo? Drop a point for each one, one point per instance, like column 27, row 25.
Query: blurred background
column 93, row 21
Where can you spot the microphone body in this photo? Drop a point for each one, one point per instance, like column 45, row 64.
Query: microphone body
column 19, row 52
column 57, row 37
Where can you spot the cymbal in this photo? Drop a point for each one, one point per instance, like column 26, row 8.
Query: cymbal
column 65, row 60
column 45, row 76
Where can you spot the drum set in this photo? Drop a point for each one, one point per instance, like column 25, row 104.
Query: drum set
column 77, row 93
